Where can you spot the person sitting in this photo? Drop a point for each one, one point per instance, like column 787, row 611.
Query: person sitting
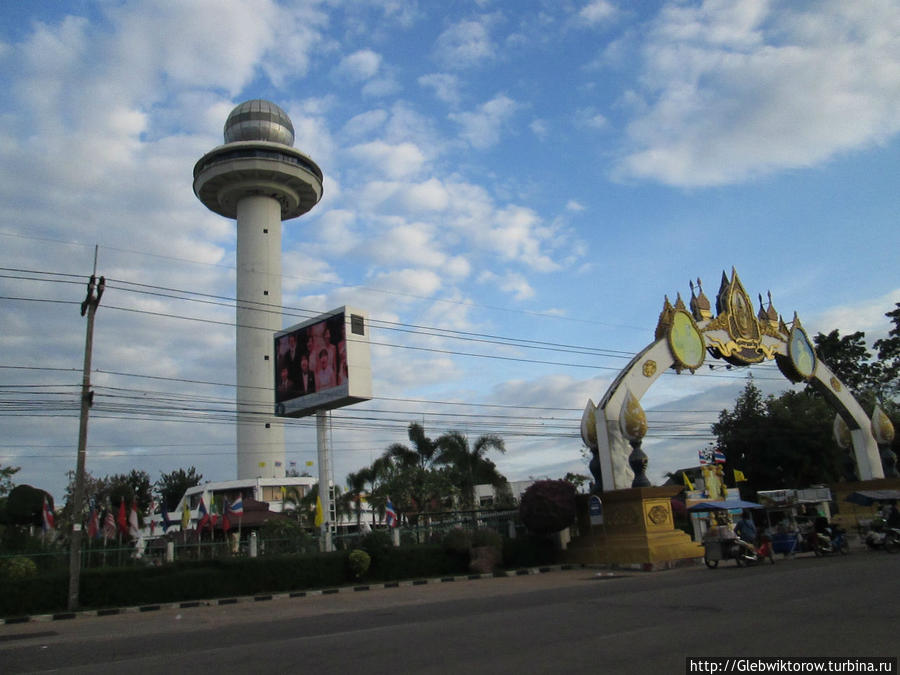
column 746, row 532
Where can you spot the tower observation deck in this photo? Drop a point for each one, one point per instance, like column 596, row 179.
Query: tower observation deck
column 259, row 179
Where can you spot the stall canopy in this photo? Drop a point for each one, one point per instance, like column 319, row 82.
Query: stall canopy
column 869, row 497
column 718, row 506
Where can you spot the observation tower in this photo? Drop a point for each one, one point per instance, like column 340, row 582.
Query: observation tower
column 258, row 178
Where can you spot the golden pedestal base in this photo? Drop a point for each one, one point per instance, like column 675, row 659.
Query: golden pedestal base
column 638, row 529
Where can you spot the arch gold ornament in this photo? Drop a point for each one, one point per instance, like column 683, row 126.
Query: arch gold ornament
column 685, row 334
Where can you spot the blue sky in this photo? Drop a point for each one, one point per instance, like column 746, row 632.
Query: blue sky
column 528, row 171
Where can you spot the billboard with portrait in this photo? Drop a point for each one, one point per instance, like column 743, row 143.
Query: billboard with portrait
column 323, row 363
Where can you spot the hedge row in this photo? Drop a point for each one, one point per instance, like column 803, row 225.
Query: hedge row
column 185, row 581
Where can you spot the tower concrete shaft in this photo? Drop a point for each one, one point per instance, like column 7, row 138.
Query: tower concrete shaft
column 258, row 178
column 260, row 437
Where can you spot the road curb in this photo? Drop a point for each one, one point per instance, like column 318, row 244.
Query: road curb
column 265, row 597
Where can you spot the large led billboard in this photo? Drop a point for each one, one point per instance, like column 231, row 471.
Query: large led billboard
column 323, row 363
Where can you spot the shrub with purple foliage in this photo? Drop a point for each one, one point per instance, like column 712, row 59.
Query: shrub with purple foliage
column 548, row 506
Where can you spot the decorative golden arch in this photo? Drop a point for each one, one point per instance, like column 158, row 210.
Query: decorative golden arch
column 683, row 337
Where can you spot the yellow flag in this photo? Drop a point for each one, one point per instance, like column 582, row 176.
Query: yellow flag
column 739, row 476
column 687, row 481
column 185, row 516
column 319, row 519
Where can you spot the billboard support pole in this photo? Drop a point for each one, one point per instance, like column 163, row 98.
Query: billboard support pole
column 324, row 476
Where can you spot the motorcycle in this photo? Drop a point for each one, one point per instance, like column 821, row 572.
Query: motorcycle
column 887, row 538
column 831, row 540
column 742, row 553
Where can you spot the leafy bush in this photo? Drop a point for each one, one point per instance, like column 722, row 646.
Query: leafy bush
column 457, row 541
column 18, row 568
column 376, row 541
column 359, row 562
column 485, row 536
column 548, row 506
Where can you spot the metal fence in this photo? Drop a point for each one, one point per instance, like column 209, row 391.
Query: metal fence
column 428, row 528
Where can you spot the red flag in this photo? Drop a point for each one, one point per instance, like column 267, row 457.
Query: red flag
column 122, row 520
column 49, row 521
column 93, row 524
column 203, row 515
column 226, row 523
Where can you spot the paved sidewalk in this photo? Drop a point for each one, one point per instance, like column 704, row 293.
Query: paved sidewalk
column 114, row 611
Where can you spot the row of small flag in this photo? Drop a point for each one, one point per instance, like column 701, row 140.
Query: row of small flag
column 209, row 517
column 127, row 522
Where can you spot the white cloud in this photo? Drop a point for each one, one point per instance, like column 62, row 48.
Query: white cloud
column 365, row 123
column 392, row 161
column 517, row 286
column 415, row 282
column 404, row 244
column 539, row 128
column 516, row 236
column 380, row 87
column 445, row 86
column 430, row 195
column 465, row 44
column 360, row 66
column 740, row 89
column 867, row 316
column 482, row 127
column 597, row 12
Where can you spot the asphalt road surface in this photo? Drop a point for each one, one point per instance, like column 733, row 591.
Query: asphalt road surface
column 574, row 621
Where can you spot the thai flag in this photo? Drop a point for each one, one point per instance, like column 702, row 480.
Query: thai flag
column 390, row 515
column 202, row 515
column 236, row 508
column 719, row 456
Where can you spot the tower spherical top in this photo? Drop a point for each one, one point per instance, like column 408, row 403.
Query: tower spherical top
column 259, row 120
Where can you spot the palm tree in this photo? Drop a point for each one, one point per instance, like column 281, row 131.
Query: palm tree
column 414, row 464
column 470, row 466
column 356, row 483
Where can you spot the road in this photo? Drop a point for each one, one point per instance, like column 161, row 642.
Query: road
column 573, row 621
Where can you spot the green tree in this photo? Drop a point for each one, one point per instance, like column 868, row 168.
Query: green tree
column 172, row 486
column 24, row 505
column 889, row 356
column 779, row 442
column 577, row 479
column 469, row 466
column 415, row 493
column 6, row 483
column 96, row 495
column 850, row 360
column 356, row 484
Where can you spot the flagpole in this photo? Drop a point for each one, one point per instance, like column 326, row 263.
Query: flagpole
column 324, row 473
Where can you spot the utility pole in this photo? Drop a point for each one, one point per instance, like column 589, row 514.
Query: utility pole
column 89, row 307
